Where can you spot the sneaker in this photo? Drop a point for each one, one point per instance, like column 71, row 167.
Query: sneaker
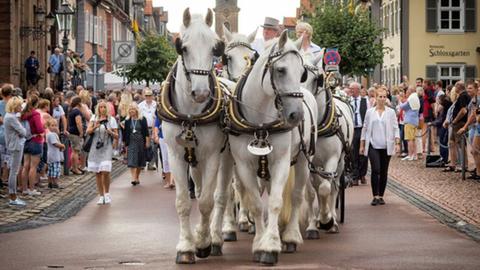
column 406, row 158
column 403, row 155
column 381, row 201
column 108, row 198
column 32, row 192
column 415, row 158
column 17, row 202
column 374, row 202
column 101, row 200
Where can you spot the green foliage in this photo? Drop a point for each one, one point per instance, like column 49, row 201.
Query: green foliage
column 357, row 37
column 155, row 56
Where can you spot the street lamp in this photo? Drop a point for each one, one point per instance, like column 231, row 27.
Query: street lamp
column 39, row 20
column 64, row 19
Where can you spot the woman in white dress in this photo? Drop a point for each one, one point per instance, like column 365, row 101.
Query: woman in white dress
column 103, row 128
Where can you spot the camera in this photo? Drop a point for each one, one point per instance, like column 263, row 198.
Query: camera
column 99, row 145
column 103, row 122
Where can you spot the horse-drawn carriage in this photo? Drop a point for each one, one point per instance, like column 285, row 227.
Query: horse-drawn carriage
column 263, row 129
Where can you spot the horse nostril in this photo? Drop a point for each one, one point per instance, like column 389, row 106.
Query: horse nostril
column 193, row 93
column 293, row 116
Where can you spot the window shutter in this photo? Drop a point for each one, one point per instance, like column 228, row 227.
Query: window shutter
column 432, row 16
column 431, row 73
column 470, row 16
column 470, row 73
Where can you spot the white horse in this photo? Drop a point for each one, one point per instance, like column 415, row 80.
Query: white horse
column 184, row 104
column 238, row 54
column 336, row 123
column 271, row 98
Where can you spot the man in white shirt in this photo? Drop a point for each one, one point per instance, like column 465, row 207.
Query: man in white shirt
column 270, row 31
column 360, row 105
column 148, row 109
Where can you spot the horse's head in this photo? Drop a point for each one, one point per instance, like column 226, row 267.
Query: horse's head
column 315, row 74
column 198, row 45
column 237, row 53
column 286, row 73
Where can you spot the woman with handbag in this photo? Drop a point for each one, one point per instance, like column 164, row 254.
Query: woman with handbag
column 137, row 141
column 103, row 133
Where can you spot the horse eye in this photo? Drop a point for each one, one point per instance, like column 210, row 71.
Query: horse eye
column 281, row 70
column 184, row 49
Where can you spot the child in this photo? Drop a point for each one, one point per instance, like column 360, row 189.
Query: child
column 54, row 156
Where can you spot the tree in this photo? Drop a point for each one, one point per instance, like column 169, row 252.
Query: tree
column 357, row 37
column 155, row 56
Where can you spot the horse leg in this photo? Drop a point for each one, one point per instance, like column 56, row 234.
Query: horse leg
column 324, row 190
column 185, row 247
column 291, row 235
column 209, row 170
column 312, row 231
column 253, row 202
column 270, row 244
column 243, row 223
column 229, row 229
column 333, row 196
column 221, row 198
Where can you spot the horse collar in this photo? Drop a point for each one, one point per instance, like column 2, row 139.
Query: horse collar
column 168, row 112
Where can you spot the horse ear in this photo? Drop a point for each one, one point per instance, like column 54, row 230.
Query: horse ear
column 187, row 18
column 319, row 57
column 219, row 48
column 227, row 34
column 251, row 37
column 283, row 39
column 178, row 46
column 298, row 42
column 209, row 18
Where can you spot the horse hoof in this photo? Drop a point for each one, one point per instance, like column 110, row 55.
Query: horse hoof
column 256, row 256
column 216, row 250
column 204, row 252
column 243, row 227
column 185, row 257
column 313, row 234
column 269, row 258
column 289, row 248
column 230, row 236
column 327, row 226
column 251, row 229
column 334, row 229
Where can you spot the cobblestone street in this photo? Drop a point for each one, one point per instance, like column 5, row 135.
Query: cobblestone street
column 446, row 189
column 52, row 205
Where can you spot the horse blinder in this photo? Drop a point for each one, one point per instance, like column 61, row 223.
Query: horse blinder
column 179, row 46
column 219, row 49
column 304, row 75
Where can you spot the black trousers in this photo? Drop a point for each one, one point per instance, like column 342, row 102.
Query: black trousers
column 360, row 162
column 379, row 161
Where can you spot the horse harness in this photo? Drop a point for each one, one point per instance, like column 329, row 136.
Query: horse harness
column 209, row 115
column 330, row 126
column 234, row 122
column 226, row 58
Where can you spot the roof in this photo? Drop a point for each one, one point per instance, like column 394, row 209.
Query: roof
column 148, row 9
column 289, row 21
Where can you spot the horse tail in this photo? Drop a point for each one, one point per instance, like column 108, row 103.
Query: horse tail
column 286, row 211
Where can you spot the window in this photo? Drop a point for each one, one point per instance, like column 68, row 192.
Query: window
column 450, row 74
column 382, row 19
column 451, row 13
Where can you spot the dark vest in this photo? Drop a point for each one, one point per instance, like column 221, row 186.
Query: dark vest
column 363, row 108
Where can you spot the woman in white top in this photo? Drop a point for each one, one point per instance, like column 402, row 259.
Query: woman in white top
column 103, row 128
column 379, row 141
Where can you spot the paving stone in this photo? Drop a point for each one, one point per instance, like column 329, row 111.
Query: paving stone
column 447, row 189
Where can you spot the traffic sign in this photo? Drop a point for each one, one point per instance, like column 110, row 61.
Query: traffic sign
column 124, row 52
column 332, row 58
column 98, row 59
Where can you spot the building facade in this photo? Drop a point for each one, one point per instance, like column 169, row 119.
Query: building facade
column 226, row 13
column 432, row 39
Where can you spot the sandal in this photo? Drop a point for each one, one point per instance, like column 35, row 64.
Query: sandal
column 449, row 169
column 166, row 186
column 172, row 186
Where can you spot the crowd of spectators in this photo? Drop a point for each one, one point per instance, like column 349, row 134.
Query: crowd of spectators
column 44, row 133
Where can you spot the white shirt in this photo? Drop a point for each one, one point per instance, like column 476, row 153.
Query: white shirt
column 391, row 132
column 356, row 101
column 379, row 134
column 148, row 111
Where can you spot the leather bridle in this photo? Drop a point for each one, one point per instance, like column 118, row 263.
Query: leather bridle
column 226, row 59
column 274, row 57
